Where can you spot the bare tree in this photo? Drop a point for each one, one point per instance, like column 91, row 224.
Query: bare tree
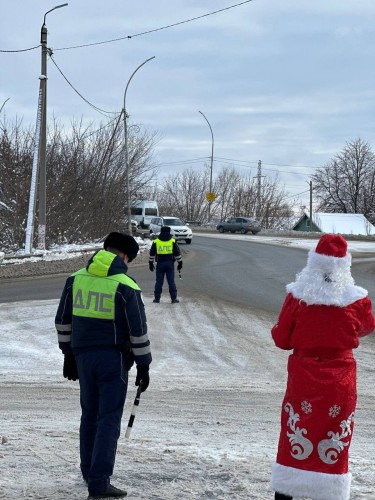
column 239, row 196
column 276, row 211
column 183, row 195
column 16, row 149
column 86, row 191
column 93, row 181
column 225, row 186
column 346, row 184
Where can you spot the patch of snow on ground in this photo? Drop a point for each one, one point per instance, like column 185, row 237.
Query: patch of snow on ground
column 207, row 427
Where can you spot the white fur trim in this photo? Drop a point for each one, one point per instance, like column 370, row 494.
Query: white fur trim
column 312, row 287
column 314, row 485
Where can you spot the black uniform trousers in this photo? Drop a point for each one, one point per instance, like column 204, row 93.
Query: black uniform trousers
column 103, row 379
column 165, row 269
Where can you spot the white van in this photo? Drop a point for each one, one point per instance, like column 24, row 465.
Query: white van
column 143, row 211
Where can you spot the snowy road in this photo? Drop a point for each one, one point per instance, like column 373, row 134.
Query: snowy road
column 207, row 428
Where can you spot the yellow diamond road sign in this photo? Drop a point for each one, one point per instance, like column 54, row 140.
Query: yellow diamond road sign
column 210, row 196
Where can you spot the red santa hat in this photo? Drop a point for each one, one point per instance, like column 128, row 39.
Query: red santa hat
column 332, row 245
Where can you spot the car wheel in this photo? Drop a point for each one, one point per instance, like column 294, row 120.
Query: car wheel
column 243, row 231
column 188, row 242
column 233, row 232
column 255, row 232
column 221, row 229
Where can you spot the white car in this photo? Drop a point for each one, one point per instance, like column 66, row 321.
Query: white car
column 179, row 230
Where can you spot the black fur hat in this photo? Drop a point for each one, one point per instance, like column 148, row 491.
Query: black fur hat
column 165, row 229
column 123, row 242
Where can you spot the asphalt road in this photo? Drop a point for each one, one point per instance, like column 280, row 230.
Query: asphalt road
column 239, row 272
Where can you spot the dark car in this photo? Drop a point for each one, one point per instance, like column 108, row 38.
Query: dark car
column 241, row 224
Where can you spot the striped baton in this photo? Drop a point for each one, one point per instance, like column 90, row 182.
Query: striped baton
column 134, row 409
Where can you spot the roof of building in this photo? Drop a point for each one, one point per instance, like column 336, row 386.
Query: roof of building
column 341, row 223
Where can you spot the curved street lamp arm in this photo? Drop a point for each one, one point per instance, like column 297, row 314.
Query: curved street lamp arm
column 204, row 116
column 134, row 72
column 6, row 100
column 54, row 8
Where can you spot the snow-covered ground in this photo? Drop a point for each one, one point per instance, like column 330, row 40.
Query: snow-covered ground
column 207, row 427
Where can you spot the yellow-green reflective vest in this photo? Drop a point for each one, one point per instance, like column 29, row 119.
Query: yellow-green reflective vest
column 164, row 247
column 94, row 296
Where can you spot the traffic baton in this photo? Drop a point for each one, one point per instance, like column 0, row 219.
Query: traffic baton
column 179, row 275
column 134, row 409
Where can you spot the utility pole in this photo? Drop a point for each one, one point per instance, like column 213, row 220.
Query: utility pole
column 311, row 214
column 43, row 134
column 34, row 181
column 259, row 189
column 127, row 166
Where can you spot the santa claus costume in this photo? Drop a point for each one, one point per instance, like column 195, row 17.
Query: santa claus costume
column 322, row 318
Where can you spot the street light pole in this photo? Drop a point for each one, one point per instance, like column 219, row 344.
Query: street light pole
column 6, row 100
column 212, row 160
column 43, row 134
column 126, row 147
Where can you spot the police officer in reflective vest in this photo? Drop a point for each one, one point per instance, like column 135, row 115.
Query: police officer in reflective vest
column 165, row 251
column 102, row 329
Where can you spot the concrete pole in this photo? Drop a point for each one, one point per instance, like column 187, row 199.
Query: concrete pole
column 43, row 135
column 311, row 214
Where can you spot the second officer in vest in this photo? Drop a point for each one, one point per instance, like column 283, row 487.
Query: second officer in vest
column 165, row 252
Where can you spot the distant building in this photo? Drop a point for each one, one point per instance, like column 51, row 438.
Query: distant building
column 335, row 224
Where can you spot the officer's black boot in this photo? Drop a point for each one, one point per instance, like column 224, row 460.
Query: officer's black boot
column 280, row 496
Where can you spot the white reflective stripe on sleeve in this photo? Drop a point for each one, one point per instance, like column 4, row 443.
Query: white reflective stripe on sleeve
column 63, row 328
column 139, row 340
column 139, row 351
column 63, row 337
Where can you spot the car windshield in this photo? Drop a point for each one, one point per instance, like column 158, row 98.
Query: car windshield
column 173, row 222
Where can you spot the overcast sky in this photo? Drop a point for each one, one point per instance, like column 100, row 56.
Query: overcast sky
column 287, row 82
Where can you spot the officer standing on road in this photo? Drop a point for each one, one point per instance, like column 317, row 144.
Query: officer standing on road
column 165, row 251
column 101, row 326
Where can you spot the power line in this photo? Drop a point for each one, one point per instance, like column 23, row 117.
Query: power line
column 20, row 50
column 99, row 110
column 263, row 163
column 284, row 171
column 294, row 195
column 234, row 163
column 237, row 163
column 181, row 162
column 127, row 37
column 295, row 166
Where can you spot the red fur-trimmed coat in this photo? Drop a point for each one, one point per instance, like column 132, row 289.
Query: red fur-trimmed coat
column 322, row 322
